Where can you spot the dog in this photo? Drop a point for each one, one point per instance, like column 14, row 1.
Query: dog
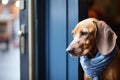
column 94, row 41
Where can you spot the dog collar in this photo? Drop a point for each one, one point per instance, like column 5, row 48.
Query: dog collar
column 95, row 66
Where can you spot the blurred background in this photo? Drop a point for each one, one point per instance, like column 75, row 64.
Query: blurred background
column 9, row 41
column 108, row 11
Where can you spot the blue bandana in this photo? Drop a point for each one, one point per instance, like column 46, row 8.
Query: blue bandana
column 95, row 66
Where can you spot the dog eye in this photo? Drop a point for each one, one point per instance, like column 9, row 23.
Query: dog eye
column 84, row 33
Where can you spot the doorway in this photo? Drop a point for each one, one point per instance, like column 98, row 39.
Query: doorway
column 9, row 41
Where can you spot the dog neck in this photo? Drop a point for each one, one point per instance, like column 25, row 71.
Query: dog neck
column 92, row 52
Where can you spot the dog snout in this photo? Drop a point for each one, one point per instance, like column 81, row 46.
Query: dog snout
column 70, row 50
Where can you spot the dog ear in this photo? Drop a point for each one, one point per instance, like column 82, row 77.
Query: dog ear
column 105, row 37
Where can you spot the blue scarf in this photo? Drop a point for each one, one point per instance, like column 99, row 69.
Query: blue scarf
column 95, row 66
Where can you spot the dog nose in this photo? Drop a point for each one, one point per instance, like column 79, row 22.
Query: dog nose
column 70, row 50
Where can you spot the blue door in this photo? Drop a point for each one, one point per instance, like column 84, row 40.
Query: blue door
column 61, row 17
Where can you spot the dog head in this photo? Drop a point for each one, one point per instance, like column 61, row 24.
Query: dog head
column 90, row 36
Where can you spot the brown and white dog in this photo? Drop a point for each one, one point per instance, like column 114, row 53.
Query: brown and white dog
column 92, row 36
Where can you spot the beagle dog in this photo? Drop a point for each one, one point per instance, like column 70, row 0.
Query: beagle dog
column 95, row 42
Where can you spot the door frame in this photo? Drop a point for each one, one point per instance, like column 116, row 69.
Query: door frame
column 39, row 35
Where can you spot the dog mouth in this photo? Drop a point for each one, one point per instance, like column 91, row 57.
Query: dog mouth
column 75, row 53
